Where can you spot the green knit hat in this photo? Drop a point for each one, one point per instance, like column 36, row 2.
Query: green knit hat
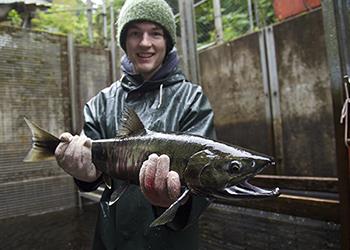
column 157, row 11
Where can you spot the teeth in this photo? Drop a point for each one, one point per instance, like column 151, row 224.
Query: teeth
column 145, row 55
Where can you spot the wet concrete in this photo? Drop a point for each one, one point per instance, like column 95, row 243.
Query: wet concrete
column 69, row 229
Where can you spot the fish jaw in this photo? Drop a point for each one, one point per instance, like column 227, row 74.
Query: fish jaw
column 236, row 185
column 245, row 190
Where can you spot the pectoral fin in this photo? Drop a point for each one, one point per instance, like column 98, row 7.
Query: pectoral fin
column 118, row 193
column 107, row 180
column 170, row 213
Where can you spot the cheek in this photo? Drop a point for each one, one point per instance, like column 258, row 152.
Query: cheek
column 161, row 47
column 130, row 47
column 213, row 179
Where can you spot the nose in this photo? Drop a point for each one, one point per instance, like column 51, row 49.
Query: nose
column 145, row 40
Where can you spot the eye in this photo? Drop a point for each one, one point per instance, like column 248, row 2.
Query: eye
column 134, row 33
column 234, row 167
column 157, row 34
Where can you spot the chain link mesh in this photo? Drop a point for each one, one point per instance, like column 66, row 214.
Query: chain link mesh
column 238, row 17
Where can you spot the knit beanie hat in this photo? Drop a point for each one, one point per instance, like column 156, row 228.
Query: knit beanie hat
column 157, row 11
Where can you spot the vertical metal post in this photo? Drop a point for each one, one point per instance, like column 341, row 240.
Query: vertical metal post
column 336, row 27
column 250, row 13
column 189, row 40
column 275, row 99
column 89, row 16
column 256, row 12
column 218, row 21
column 104, row 13
column 72, row 82
column 113, row 47
column 265, row 76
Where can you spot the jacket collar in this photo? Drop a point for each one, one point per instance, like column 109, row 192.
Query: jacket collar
column 168, row 74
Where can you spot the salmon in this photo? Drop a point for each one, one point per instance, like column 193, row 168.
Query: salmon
column 206, row 167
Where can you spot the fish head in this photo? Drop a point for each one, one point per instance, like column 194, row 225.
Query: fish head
column 224, row 174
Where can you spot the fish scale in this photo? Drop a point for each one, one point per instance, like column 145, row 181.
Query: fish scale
column 123, row 158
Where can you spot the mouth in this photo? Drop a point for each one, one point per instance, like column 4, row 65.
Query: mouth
column 246, row 190
column 145, row 55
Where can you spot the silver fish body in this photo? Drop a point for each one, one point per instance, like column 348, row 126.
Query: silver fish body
column 205, row 166
column 209, row 168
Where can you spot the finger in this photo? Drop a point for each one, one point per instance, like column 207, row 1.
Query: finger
column 151, row 158
column 142, row 176
column 79, row 154
column 86, row 151
column 62, row 147
column 66, row 137
column 70, row 152
column 150, row 170
column 162, row 171
column 173, row 185
column 60, row 151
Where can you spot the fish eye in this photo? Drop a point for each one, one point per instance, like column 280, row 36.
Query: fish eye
column 234, row 167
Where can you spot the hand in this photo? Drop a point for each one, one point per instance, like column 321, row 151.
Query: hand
column 73, row 155
column 160, row 186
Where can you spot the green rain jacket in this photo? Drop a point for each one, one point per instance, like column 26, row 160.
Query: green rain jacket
column 170, row 104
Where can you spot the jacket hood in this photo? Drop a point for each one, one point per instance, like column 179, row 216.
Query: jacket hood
column 168, row 74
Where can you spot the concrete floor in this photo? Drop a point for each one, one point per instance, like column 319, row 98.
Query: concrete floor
column 69, row 229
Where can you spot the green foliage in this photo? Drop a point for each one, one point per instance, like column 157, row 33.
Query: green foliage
column 64, row 17
column 205, row 23
column 69, row 16
column 14, row 18
column 266, row 12
column 241, row 25
column 235, row 19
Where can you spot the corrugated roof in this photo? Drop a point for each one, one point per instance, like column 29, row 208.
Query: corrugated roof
column 36, row 2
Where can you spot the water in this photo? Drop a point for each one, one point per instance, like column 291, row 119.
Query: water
column 69, row 229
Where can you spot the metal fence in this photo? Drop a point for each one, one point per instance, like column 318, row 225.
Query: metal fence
column 223, row 20
column 35, row 82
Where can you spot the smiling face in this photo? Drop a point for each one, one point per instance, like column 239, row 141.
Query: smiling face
column 145, row 47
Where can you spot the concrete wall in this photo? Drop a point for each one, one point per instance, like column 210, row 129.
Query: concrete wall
column 34, row 75
column 306, row 104
column 232, row 77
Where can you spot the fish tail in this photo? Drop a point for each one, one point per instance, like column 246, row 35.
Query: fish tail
column 43, row 144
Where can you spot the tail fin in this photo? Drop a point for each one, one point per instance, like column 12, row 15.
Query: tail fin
column 43, row 144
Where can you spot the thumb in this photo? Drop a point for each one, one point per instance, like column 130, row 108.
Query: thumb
column 88, row 142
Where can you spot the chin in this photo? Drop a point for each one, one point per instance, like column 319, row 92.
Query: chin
column 146, row 70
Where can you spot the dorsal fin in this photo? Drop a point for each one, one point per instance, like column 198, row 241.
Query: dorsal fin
column 131, row 124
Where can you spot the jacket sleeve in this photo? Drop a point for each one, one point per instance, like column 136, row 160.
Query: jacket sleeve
column 198, row 119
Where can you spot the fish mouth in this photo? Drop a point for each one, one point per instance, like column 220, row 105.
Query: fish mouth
column 246, row 190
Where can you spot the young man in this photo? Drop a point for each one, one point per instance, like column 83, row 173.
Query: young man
column 154, row 86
